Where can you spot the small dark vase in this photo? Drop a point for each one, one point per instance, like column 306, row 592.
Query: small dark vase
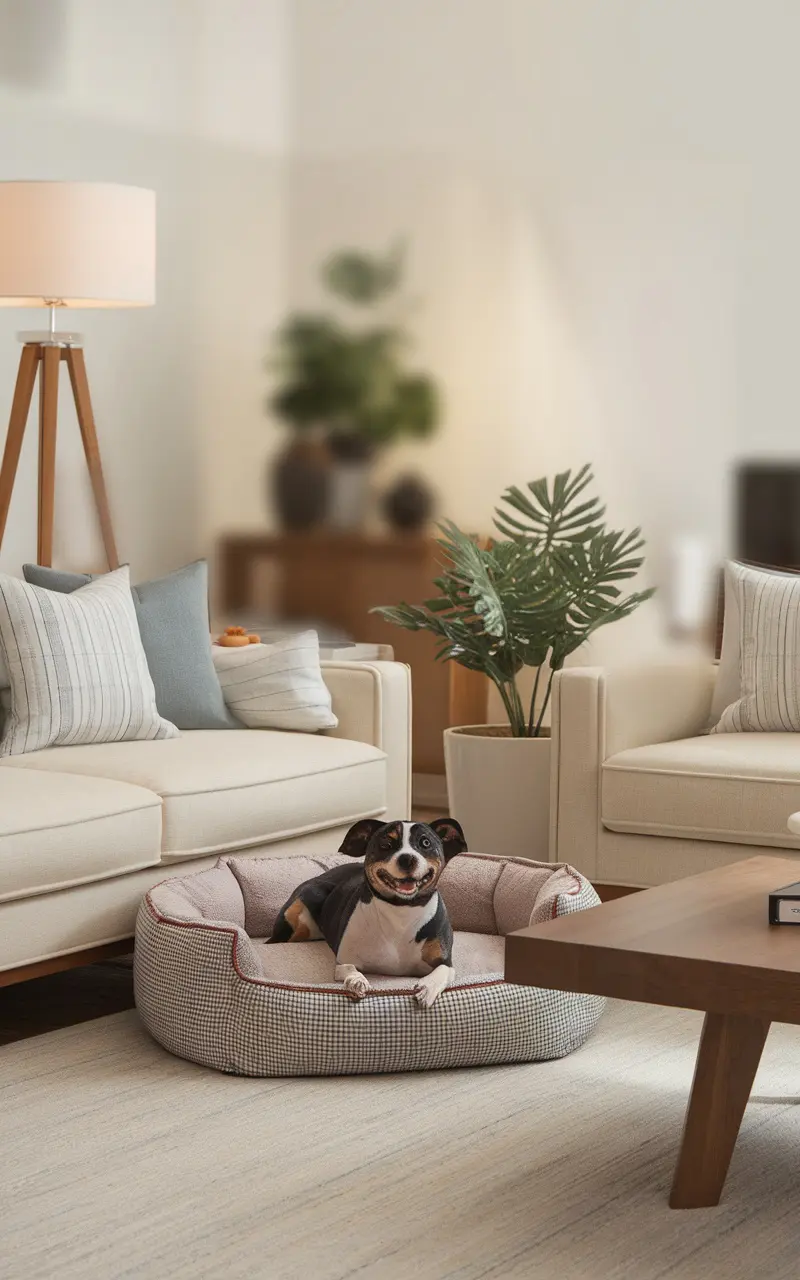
column 409, row 504
column 300, row 482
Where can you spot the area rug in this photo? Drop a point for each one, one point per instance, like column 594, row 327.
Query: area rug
column 121, row 1161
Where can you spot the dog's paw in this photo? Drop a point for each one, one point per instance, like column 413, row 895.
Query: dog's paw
column 425, row 994
column 356, row 985
column 429, row 988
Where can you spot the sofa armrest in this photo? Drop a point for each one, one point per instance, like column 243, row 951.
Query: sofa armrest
column 644, row 705
column 372, row 701
column 598, row 713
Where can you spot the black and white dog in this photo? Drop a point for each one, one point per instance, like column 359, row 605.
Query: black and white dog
column 384, row 915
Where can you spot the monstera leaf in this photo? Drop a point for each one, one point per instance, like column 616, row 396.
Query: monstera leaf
column 551, row 516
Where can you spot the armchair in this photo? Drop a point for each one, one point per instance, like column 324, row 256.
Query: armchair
column 641, row 794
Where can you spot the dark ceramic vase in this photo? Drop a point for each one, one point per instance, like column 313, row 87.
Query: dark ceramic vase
column 409, row 504
column 300, row 482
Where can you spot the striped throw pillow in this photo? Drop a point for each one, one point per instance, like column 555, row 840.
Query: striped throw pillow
column 276, row 686
column 76, row 667
column 768, row 609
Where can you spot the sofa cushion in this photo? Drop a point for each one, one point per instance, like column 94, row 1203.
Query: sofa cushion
column 57, row 830
column 738, row 788
column 225, row 791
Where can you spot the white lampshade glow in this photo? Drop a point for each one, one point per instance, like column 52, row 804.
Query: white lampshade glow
column 77, row 244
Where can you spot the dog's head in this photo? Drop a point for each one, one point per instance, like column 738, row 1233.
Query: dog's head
column 404, row 860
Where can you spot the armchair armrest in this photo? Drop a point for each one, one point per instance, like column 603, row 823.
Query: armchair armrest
column 598, row 713
column 372, row 701
column 644, row 705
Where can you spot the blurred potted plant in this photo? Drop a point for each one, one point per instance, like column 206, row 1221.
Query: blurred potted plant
column 344, row 388
column 526, row 599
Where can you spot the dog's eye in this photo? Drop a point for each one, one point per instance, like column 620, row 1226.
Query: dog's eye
column 385, row 845
column 424, row 843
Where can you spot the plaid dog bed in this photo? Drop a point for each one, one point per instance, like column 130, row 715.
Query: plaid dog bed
column 208, row 989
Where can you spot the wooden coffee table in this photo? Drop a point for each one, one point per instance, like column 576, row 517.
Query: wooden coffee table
column 700, row 943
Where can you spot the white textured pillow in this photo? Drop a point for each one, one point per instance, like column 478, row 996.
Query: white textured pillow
column 276, row 686
column 764, row 612
column 76, row 667
column 728, row 686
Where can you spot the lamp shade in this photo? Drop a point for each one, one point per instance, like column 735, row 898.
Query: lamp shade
column 78, row 244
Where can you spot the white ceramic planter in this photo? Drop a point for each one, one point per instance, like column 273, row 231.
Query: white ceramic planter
column 499, row 790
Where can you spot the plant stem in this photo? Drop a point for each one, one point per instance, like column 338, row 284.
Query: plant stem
column 519, row 710
column 501, row 689
column 544, row 704
column 513, row 706
column 533, row 702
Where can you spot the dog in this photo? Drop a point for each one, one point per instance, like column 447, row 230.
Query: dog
column 384, row 915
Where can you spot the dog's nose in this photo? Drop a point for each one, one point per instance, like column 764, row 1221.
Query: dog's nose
column 406, row 861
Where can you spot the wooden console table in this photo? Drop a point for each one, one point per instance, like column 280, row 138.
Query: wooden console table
column 336, row 578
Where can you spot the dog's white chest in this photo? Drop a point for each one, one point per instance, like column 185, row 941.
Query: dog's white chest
column 380, row 938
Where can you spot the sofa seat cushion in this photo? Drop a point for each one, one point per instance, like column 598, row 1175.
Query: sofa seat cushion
column 57, row 830
column 736, row 787
column 225, row 791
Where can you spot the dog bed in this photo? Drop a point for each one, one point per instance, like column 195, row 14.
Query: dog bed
column 209, row 989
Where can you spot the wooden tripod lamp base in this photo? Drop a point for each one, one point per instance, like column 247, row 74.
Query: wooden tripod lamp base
column 45, row 359
column 72, row 245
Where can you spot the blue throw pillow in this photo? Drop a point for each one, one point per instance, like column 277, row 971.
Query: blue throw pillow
column 173, row 620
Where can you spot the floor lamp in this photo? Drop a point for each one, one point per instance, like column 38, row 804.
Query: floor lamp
column 67, row 244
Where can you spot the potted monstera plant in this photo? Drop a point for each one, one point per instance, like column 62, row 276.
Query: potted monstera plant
column 527, row 598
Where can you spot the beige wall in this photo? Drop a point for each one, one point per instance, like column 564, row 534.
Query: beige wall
column 188, row 97
column 603, row 211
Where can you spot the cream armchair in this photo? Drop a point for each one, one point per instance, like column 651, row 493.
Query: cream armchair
column 641, row 794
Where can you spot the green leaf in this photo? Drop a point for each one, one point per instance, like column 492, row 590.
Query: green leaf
column 540, row 492
column 362, row 278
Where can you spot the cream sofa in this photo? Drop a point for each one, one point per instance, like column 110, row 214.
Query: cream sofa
column 641, row 794
column 84, row 831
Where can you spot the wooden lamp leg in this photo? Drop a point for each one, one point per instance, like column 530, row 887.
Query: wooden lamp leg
column 83, row 407
column 20, row 408
column 34, row 353
column 48, row 416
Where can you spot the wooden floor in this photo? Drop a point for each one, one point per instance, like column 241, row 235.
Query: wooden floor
column 63, row 999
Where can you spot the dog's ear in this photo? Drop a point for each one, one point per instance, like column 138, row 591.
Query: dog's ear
column 358, row 837
column 452, row 837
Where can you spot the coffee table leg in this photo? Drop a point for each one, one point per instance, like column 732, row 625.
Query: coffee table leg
column 727, row 1061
